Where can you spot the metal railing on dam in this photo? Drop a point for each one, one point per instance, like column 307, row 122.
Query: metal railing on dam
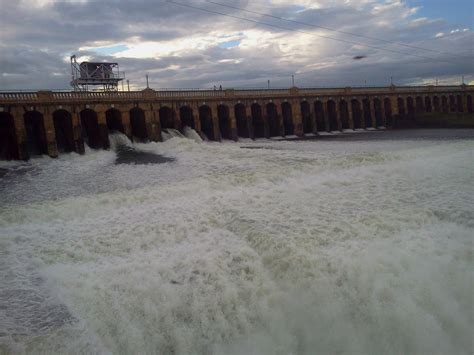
column 50, row 122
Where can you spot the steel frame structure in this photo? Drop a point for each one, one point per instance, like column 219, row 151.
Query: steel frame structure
column 94, row 74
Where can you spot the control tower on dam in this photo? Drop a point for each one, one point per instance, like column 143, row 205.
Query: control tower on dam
column 49, row 122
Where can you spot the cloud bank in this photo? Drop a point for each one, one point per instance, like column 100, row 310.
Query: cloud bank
column 179, row 46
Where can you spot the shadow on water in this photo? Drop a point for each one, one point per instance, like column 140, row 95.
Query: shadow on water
column 128, row 155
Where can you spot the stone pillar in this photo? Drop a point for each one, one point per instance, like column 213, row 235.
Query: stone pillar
column 279, row 118
column 77, row 131
column 153, row 127
column 125, row 113
column 350, row 114
column 50, row 132
column 176, row 118
column 266, row 126
column 215, row 121
column 20, row 131
column 233, row 122
column 248, row 116
column 372, row 112
column 464, row 103
column 296, row 116
column 104, row 131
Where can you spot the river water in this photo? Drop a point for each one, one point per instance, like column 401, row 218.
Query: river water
column 359, row 244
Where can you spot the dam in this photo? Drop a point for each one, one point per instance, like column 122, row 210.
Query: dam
column 53, row 122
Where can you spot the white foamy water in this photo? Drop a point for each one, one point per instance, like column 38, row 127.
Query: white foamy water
column 312, row 247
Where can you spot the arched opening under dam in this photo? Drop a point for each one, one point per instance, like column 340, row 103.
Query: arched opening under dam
column 90, row 129
column 378, row 112
column 138, row 125
column 273, row 120
column 257, row 121
column 35, row 133
column 367, row 113
column 410, row 108
column 469, row 103
column 344, row 114
column 444, row 104
column 401, row 108
column 224, row 121
column 64, row 131
column 306, row 117
column 436, row 104
column 459, row 103
column 166, row 118
column 419, row 105
column 452, row 103
column 241, row 120
column 8, row 138
column 428, row 106
column 320, row 118
column 113, row 119
column 205, row 117
column 332, row 115
column 186, row 116
column 387, row 105
column 287, row 113
column 356, row 114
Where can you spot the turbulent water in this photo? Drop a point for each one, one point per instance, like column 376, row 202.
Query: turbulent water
column 335, row 246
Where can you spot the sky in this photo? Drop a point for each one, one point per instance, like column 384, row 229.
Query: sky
column 185, row 44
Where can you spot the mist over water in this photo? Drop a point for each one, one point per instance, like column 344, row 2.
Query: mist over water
column 342, row 246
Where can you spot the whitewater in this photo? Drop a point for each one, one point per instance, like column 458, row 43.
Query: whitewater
column 323, row 246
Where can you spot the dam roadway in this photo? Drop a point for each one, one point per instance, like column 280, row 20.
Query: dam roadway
column 52, row 122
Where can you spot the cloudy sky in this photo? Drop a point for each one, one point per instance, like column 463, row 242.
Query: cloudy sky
column 185, row 43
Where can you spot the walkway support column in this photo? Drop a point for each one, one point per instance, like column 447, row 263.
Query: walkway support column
column 326, row 115
column 382, row 112
column 50, row 132
column 215, row 121
column 77, row 130
column 297, row 118
column 248, row 116
column 373, row 118
column 20, row 131
column 350, row 113
column 125, row 113
column 233, row 122
column 153, row 126
column 103, row 130
column 338, row 114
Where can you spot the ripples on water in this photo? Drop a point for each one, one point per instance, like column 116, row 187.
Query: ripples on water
column 338, row 246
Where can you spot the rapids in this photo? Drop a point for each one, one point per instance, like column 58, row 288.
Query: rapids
column 359, row 245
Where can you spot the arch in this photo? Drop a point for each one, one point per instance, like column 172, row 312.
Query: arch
column 207, row 124
column 166, row 117
column 344, row 112
column 224, row 121
column 428, row 105
column 320, row 117
column 410, row 108
column 273, row 120
column 90, row 129
column 356, row 114
column 257, row 121
column 138, row 124
column 8, row 138
column 332, row 115
column 64, row 131
column 287, row 113
column 378, row 112
column 186, row 116
column 113, row 118
column 241, row 120
column 367, row 113
column 452, row 103
column 402, row 112
column 436, row 104
column 387, row 104
column 459, row 103
column 469, row 103
column 419, row 108
column 444, row 104
column 306, row 117
column 35, row 133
